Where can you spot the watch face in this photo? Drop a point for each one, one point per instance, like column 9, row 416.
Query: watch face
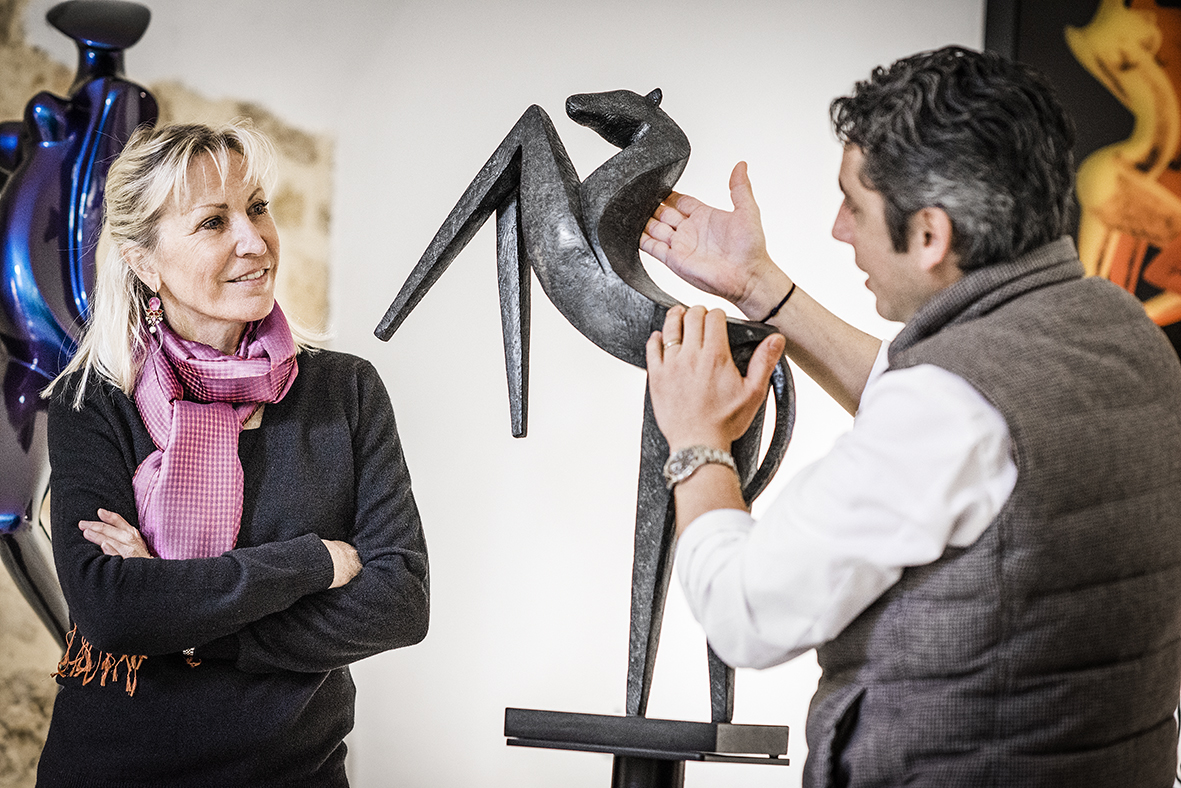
column 684, row 462
column 680, row 464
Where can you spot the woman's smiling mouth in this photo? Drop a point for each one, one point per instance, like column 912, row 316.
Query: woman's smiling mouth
column 251, row 277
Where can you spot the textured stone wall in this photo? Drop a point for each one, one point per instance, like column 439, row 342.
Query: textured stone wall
column 302, row 208
column 27, row 658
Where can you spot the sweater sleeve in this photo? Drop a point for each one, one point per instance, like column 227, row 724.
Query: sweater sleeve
column 385, row 606
column 152, row 606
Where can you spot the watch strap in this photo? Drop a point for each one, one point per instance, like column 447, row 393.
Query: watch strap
column 682, row 463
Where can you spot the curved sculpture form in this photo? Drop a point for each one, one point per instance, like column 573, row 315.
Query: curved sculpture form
column 54, row 165
column 582, row 241
column 1127, row 207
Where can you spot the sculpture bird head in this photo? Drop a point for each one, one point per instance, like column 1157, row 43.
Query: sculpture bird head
column 619, row 116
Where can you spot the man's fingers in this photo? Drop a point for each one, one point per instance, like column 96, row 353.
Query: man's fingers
column 656, row 239
column 714, row 330
column 739, row 176
column 657, row 249
column 763, row 361
column 658, row 230
column 666, row 213
column 654, row 350
column 683, row 204
column 673, row 333
column 741, row 192
column 693, row 327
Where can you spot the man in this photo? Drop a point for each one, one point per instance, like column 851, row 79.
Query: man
column 989, row 563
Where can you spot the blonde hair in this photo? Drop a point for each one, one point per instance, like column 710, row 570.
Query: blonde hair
column 150, row 174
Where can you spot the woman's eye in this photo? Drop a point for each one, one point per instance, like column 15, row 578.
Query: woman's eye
column 212, row 223
column 259, row 207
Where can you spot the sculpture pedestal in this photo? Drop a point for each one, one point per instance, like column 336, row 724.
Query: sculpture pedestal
column 649, row 753
column 630, row 771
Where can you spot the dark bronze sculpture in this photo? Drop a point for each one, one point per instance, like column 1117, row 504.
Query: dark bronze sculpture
column 582, row 241
column 53, row 167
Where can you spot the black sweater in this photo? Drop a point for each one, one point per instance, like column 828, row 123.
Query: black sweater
column 271, row 699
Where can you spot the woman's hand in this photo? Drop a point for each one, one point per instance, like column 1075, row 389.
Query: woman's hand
column 115, row 536
column 346, row 564
column 698, row 394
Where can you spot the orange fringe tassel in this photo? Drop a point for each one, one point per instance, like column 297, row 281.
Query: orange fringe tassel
column 84, row 664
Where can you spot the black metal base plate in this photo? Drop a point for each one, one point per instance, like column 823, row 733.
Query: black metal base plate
column 644, row 737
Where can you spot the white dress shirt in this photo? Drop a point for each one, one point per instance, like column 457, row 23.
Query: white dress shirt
column 927, row 465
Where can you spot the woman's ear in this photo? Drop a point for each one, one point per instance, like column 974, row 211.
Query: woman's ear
column 140, row 262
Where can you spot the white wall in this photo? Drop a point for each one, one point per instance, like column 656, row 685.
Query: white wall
column 530, row 539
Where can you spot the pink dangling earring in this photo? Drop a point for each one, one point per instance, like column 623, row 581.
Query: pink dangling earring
column 154, row 314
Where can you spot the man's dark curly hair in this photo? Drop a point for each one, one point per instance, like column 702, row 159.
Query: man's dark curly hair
column 980, row 136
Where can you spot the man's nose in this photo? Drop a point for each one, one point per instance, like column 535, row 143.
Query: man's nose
column 842, row 226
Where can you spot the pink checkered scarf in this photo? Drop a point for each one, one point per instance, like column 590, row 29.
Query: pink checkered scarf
column 194, row 400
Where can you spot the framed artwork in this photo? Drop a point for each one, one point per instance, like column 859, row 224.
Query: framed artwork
column 1117, row 67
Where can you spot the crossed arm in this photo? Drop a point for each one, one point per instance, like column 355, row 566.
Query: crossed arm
column 268, row 606
column 115, row 536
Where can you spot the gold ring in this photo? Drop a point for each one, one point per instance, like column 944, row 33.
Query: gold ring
column 671, row 342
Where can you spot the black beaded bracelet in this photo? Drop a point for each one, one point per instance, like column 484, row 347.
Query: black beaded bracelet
column 779, row 306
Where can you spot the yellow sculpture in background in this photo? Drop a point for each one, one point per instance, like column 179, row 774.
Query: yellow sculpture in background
column 1130, row 192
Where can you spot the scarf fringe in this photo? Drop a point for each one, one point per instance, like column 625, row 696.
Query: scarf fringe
column 85, row 665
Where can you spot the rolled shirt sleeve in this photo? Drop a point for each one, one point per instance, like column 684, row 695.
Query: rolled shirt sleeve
column 927, row 465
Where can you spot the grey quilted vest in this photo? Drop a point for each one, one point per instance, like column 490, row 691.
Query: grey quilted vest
column 1048, row 652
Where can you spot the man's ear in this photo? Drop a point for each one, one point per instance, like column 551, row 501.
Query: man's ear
column 140, row 262
column 930, row 236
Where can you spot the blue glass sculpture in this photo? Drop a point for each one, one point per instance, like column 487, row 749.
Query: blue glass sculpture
column 53, row 167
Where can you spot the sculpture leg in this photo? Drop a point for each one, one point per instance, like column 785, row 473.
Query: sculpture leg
column 529, row 175
column 721, row 687
column 496, row 181
column 531, row 144
column 652, row 562
column 655, row 528
column 783, row 392
column 513, row 275
column 721, row 675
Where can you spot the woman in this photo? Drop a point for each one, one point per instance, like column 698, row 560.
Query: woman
column 232, row 517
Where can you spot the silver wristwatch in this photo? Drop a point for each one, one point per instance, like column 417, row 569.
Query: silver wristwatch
column 681, row 464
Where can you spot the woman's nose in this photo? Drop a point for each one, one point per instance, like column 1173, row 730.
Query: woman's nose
column 249, row 240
